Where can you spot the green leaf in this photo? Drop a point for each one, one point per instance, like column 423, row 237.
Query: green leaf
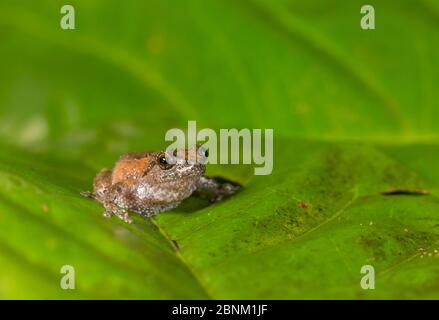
column 355, row 179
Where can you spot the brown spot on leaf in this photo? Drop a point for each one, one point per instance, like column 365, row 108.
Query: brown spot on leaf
column 303, row 205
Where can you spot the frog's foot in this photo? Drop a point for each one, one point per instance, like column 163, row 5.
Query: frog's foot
column 121, row 213
column 149, row 212
column 225, row 190
column 87, row 194
column 216, row 189
column 107, row 214
column 156, row 209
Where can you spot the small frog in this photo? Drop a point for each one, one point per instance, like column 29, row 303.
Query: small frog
column 153, row 182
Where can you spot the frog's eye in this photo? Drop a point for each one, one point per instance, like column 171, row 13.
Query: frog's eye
column 203, row 153
column 163, row 163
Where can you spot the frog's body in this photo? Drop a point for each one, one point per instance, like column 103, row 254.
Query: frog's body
column 152, row 182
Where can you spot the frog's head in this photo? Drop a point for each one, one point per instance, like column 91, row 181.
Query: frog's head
column 178, row 165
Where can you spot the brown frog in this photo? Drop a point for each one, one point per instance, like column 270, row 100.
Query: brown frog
column 153, row 182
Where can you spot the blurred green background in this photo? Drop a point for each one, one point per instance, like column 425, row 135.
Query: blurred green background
column 354, row 114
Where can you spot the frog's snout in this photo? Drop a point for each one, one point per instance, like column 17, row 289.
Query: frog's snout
column 195, row 155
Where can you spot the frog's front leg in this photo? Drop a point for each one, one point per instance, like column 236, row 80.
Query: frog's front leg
column 111, row 208
column 216, row 190
column 116, row 201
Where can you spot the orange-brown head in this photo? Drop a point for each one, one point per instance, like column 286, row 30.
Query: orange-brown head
column 164, row 166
